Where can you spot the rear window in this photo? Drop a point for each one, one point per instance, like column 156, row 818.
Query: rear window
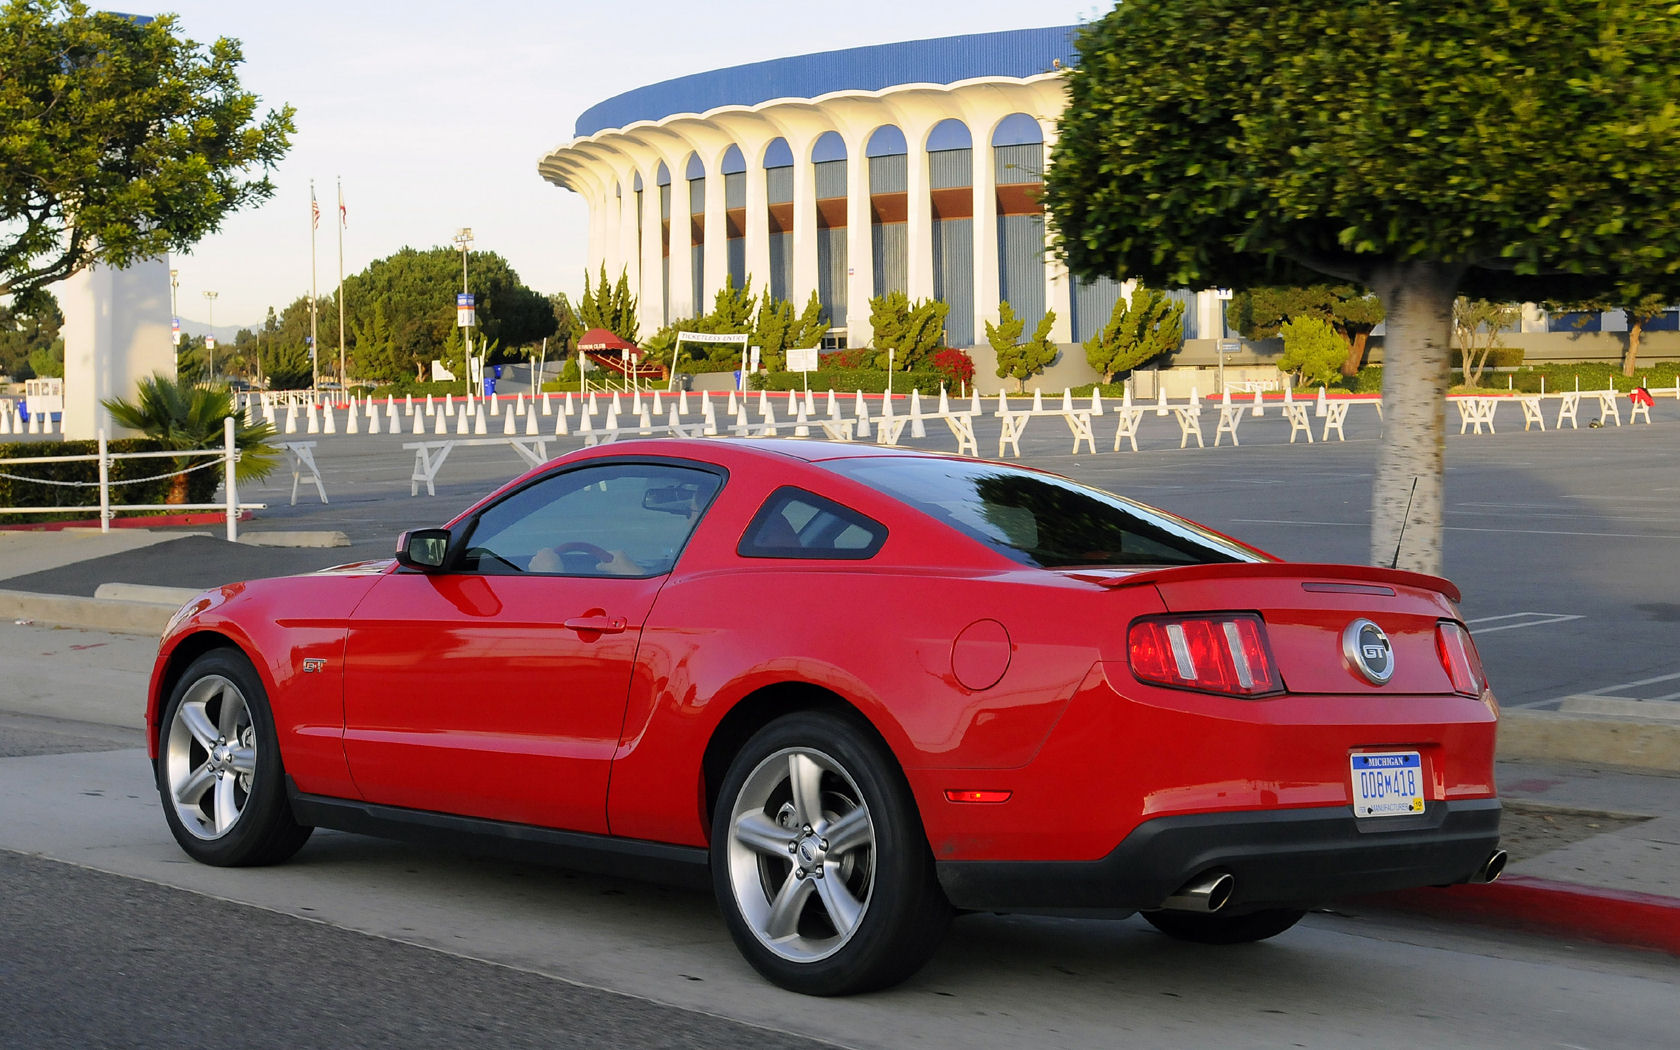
column 1040, row 519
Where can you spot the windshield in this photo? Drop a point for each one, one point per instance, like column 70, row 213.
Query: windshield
column 1040, row 519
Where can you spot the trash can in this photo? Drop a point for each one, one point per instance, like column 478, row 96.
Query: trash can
column 490, row 385
column 685, row 381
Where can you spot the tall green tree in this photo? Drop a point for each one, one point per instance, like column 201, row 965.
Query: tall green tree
column 415, row 291
column 1258, row 313
column 1019, row 360
column 1312, row 349
column 1512, row 150
column 1149, row 325
column 914, row 330
column 609, row 306
column 29, row 331
column 119, row 140
column 1640, row 309
column 1477, row 324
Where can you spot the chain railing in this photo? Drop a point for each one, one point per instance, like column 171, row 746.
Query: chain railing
column 227, row 456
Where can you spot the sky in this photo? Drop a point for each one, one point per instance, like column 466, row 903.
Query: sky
column 435, row 115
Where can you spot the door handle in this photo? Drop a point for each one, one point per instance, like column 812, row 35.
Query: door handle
column 598, row 624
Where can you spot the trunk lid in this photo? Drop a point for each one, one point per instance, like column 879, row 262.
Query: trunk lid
column 1310, row 612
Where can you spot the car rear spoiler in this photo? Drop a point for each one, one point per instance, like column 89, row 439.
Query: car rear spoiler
column 1285, row 570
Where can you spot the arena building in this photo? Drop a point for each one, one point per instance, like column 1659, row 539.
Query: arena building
column 911, row 166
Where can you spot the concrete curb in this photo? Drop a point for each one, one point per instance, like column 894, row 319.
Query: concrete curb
column 1549, row 736
column 98, row 614
column 1635, row 920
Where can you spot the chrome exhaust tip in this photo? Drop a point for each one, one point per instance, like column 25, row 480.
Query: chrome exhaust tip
column 1491, row 868
column 1206, row 893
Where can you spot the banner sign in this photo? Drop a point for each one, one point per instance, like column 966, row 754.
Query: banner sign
column 802, row 359
column 711, row 337
column 466, row 313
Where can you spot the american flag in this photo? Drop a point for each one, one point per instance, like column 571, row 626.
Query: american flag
column 314, row 211
column 343, row 217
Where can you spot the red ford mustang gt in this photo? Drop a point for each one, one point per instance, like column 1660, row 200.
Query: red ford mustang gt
column 858, row 689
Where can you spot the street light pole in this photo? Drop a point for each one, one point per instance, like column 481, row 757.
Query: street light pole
column 210, row 345
column 463, row 239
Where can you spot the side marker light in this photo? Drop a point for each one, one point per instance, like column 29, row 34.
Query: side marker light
column 964, row 795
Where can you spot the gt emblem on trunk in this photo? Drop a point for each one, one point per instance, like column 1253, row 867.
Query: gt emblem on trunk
column 1366, row 648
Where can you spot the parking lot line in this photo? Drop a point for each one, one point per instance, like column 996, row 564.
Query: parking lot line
column 1527, row 619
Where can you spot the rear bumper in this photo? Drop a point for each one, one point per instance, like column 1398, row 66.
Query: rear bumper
column 1279, row 858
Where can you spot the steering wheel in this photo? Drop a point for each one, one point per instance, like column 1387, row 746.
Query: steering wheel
column 600, row 554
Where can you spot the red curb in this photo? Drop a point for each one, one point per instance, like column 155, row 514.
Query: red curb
column 208, row 517
column 1637, row 920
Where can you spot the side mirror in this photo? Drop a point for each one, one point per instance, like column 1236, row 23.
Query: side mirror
column 423, row 549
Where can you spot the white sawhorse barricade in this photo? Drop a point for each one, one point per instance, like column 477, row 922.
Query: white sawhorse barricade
column 1568, row 405
column 1335, row 414
column 1128, row 428
column 1609, row 407
column 1476, row 412
column 429, row 456
column 301, row 455
column 1531, row 411
column 1296, row 413
column 1015, row 423
column 888, row 429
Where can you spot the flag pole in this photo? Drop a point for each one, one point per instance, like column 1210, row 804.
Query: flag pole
column 343, row 376
column 314, row 344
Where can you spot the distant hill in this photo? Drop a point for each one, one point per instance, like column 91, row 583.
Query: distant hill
column 224, row 333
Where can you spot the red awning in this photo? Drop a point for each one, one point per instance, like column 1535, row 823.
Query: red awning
column 598, row 340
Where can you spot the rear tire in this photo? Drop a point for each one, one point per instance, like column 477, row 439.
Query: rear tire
column 819, row 861
column 219, row 772
column 1224, row 929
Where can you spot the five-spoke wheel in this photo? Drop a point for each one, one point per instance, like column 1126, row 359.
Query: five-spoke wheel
column 819, row 861
column 219, row 772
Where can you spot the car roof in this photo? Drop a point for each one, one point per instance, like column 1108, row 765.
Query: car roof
column 804, row 449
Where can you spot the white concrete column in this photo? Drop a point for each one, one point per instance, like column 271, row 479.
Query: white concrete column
column 629, row 252
column 860, row 244
column 919, row 219
column 986, row 293
column 681, row 303
column 716, row 249
column 757, row 230
column 804, row 224
column 650, row 306
column 1209, row 314
column 116, row 333
column 1058, row 284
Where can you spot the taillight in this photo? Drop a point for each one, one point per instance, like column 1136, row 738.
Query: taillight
column 1222, row 653
column 1459, row 658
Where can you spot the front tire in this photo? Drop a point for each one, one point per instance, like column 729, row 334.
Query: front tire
column 819, row 861
column 1224, row 929
column 219, row 773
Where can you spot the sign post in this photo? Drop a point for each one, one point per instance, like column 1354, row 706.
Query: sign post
column 1225, row 346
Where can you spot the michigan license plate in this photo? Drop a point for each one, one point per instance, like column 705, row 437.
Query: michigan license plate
column 1387, row 784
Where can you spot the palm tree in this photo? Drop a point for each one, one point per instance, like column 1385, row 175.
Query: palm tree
column 185, row 415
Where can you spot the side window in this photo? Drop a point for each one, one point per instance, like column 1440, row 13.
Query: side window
column 616, row 519
column 794, row 523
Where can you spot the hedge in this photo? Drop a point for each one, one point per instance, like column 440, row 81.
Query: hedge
column 847, row 380
column 201, row 483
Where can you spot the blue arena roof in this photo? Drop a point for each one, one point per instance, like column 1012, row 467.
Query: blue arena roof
column 945, row 60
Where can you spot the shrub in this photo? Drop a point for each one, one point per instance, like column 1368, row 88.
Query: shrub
column 1312, row 350
column 955, row 365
